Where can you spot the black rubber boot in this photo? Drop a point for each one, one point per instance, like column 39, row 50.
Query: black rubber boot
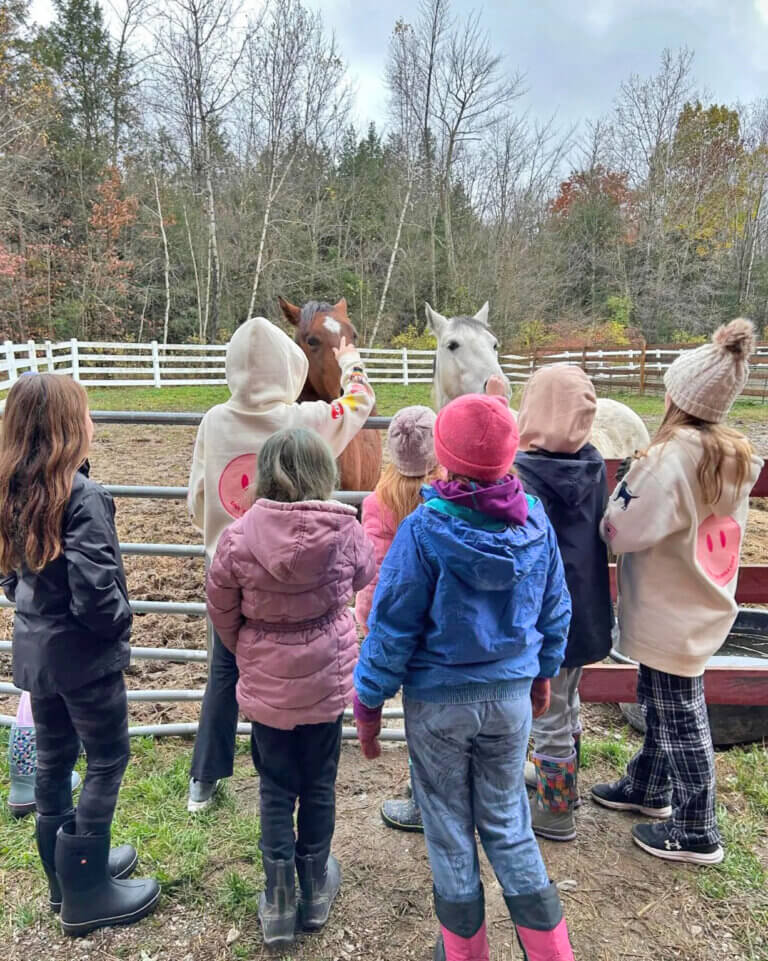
column 91, row 897
column 319, row 882
column 122, row 860
column 277, row 906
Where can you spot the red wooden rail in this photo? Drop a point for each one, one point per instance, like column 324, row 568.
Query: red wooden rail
column 614, row 683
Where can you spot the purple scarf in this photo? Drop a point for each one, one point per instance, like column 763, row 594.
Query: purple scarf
column 503, row 500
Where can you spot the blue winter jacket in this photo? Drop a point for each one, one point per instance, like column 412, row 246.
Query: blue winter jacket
column 465, row 614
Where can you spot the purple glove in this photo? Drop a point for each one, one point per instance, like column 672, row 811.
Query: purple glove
column 368, row 723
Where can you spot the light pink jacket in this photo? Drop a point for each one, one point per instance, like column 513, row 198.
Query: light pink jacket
column 277, row 592
column 379, row 525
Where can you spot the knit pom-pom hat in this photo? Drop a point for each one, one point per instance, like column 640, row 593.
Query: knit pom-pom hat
column 476, row 436
column 705, row 382
column 410, row 440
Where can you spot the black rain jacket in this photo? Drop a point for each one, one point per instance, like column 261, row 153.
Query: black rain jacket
column 572, row 488
column 73, row 620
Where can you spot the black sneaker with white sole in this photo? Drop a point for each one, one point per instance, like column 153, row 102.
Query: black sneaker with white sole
column 616, row 797
column 662, row 842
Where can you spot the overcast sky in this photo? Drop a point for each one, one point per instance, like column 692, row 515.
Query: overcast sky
column 573, row 54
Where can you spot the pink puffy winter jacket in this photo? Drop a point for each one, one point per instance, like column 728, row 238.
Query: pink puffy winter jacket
column 379, row 525
column 277, row 591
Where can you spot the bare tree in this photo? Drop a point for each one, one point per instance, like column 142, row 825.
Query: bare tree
column 295, row 96
column 197, row 58
column 471, row 90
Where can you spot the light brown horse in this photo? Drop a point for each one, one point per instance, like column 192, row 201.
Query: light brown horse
column 319, row 328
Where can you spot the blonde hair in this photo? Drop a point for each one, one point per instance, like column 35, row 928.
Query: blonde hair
column 296, row 465
column 719, row 442
column 44, row 442
column 401, row 495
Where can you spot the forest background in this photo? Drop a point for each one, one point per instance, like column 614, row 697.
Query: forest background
column 168, row 170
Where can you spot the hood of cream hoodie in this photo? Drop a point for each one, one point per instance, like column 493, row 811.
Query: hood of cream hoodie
column 679, row 556
column 264, row 366
column 266, row 372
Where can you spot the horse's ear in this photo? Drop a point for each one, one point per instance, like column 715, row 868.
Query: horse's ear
column 291, row 312
column 482, row 315
column 341, row 306
column 435, row 321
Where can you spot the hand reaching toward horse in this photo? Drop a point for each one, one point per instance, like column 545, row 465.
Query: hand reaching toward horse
column 496, row 386
column 344, row 349
column 540, row 694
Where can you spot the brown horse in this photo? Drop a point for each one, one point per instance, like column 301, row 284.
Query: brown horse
column 319, row 328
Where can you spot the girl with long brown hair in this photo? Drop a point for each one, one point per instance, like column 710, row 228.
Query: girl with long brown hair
column 60, row 563
column 677, row 520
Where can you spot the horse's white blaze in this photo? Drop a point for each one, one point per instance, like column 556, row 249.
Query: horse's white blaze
column 332, row 325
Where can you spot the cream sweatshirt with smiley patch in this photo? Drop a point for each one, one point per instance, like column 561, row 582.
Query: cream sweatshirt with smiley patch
column 678, row 556
column 266, row 372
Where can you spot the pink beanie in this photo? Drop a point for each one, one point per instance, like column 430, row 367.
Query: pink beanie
column 410, row 441
column 477, row 436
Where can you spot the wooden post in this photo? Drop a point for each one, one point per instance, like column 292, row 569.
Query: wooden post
column 32, row 348
column 584, row 358
column 11, row 359
column 75, row 358
column 405, row 366
column 156, row 364
column 49, row 357
column 642, row 368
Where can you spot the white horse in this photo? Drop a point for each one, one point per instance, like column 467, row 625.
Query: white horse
column 467, row 355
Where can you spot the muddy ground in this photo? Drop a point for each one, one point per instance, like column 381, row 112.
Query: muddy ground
column 620, row 903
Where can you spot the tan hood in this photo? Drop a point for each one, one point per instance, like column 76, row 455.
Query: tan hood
column 557, row 410
column 264, row 366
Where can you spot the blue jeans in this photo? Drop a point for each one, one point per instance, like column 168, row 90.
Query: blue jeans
column 468, row 772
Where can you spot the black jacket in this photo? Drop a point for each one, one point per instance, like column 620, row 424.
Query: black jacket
column 572, row 488
column 73, row 619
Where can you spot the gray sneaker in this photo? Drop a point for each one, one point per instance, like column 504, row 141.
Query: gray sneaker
column 402, row 815
column 201, row 795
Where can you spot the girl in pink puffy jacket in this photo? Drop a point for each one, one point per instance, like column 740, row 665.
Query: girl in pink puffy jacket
column 278, row 592
column 412, row 464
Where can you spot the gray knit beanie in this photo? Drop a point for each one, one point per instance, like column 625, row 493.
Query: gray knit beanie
column 705, row 382
column 411, row 441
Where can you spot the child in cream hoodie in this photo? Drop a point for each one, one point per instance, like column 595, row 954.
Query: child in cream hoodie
column 266, row 372
column 677, row 520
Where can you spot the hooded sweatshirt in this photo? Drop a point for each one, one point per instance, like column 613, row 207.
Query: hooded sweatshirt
column 680, row 556
column 266, row 372
column 471, row 606
column 278, row 591
column 572, row 488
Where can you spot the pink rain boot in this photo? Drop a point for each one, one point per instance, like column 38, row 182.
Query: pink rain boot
column 463, row 936
column 540, row 925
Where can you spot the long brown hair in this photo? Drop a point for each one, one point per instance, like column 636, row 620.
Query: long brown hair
column 44, row 442
column 720, row 444
column 400, row 494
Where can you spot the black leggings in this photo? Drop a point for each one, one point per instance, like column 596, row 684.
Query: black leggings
column 297, row 765
column 97, row 715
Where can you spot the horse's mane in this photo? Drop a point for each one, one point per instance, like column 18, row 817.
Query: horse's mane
column 309, row 310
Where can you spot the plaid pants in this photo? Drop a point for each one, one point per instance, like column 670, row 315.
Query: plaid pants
column 677, row 757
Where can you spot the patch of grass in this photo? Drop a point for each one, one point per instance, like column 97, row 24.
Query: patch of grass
column 153, row 398
column 741, row 871
column 616, row 751
column 213, row 855
column 750, row 775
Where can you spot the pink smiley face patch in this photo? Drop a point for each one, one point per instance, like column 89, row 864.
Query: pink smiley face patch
column 717, row 548
column 234, row 484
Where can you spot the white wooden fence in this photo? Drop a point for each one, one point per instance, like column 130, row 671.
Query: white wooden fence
column 98, row 364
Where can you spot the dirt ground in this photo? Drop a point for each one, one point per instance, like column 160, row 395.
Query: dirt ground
column 621, row 904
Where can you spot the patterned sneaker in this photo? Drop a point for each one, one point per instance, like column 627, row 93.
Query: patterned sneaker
column 402, row 815
column 201, row 795
column 616, row 797
column 660, row 841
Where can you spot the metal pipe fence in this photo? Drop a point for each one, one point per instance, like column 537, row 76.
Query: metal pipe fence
column 181, row 608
